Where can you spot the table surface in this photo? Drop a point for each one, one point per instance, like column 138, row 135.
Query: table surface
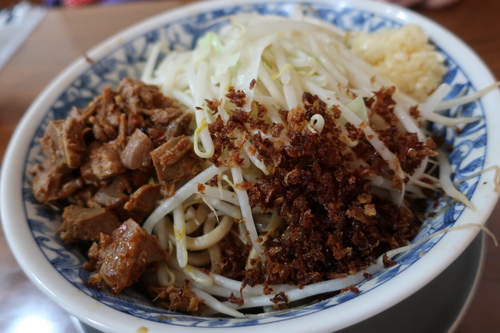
column 65, row 34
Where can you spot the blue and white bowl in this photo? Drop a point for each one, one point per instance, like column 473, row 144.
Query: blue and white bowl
column 31, row 228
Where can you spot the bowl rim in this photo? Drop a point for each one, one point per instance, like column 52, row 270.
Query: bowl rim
column 105, row 318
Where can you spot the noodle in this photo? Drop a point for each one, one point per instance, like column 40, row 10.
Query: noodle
column 180, row 196
column 210, row 238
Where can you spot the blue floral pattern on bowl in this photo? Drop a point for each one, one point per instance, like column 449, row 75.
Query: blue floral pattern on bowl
column 128, row 60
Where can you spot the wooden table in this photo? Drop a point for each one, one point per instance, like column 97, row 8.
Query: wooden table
column 66, row 34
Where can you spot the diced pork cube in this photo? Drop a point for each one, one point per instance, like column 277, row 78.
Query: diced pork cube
column 136, row 153
column 144, row 199
column 121, row 259
column 86, row 224
column 113, row 195
column 174, row 160
column 105, row 161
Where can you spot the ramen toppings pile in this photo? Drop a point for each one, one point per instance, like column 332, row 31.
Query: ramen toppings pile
column 268, row 165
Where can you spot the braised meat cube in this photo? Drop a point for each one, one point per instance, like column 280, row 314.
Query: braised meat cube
column 185, row 168
column 137, row 152
column 121, row 258
column 140, row 177
column 86, row 224
column 64, row 144
column 174, row 160
column 65, row 150
column 114, row 194
column 171, row 151
column 83, row 197
column 179, row 126
column 74, row 148
column 136, row 96
column 88, row 174
column 105, row 161
column 164, row 116
column 144, row 199
column 53, row 182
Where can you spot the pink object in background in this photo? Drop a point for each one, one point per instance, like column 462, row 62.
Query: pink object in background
column 77, row 3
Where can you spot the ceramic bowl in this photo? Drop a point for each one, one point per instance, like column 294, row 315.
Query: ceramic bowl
column 31, row 228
